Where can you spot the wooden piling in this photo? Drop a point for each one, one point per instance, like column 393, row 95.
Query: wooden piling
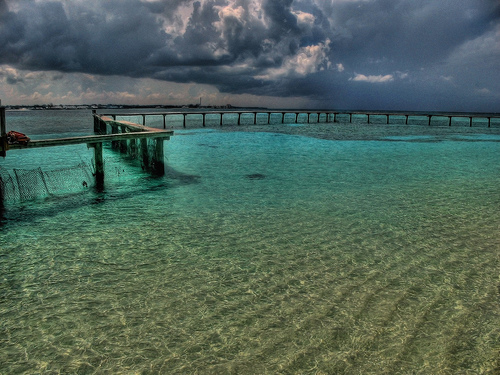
column 157, row 161
column 165, row 121
column 98, row 165
column 3, row 132
column 144, row 153
column 123, row 144
column 3, row 153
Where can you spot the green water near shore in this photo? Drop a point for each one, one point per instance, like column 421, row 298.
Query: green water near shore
column 264, row 252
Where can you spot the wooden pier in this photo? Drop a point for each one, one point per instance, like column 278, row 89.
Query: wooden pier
column 124, row 136
column 264, row 117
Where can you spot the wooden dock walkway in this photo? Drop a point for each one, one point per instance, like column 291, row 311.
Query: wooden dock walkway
column 124, row 137
column 320, row 116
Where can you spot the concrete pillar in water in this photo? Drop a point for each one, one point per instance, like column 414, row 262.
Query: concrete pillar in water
column 184, row 121
column 239, row 118
column 204, row 114
column 283, row 117
column 165, row 121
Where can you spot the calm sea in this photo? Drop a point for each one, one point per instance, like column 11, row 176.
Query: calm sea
column 266, row 249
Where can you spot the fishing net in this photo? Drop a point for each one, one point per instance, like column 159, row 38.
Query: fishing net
column 69, row 179
column 36, row 183
column 8, row 188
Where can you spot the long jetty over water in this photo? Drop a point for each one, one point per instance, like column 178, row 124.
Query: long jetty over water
column 276, row 117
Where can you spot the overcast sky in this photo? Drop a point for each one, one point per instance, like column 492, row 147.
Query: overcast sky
column 430, row 55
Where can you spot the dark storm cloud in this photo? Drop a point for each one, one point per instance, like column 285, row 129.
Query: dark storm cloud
column 334, row 49
column 407, row 32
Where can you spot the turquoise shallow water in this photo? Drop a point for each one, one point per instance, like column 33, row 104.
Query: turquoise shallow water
column 316, row 249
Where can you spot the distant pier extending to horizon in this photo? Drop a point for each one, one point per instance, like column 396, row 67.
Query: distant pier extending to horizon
column 262, row 117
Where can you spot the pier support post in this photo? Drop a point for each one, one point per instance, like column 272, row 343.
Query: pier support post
column 184, row 121
column 268, row 118
column 3, row 132
column 239, row 118
column 99, row 165
column 221, row 114
column 164, row 121
column 114, row 130
column 368, row 118
column 157, row 163
column 3, row 153
column 96, row 121
column 406, row 119
column 144, row 153
column 123, row 144
column 132, row 147
column 489, row 122
column 204, row 114
column 255, row 118
column 449, row 123
column 283, row 117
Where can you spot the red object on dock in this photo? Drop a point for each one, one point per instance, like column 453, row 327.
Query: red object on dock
column 14, row 137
